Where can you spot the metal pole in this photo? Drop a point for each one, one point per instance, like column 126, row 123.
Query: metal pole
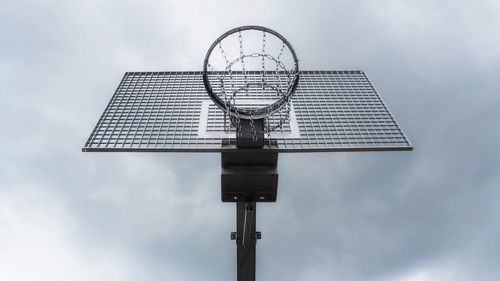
column 246, row 239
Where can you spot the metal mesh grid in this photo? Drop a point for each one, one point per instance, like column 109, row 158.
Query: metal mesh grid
column 160, row 111
column 218, row 123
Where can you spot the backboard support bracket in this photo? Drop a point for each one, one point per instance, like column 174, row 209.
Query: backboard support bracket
column 250, row 133
column 249, row 175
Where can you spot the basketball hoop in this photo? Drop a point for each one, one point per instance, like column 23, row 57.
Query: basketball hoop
column 253, row 84
column 264, row 69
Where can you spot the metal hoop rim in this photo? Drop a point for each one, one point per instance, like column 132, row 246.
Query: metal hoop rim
column 261, row 112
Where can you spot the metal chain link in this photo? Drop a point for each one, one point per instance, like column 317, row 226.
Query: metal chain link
column 280, row 122
column 283, row 118
column 228, row 67
column 245, row 78
column 252, row 125
column 223, row 53
column 279, row 63
column 222, row 85
column 232, row 105
column 268, row 124
column 282, row 49
column 221, row 81
column 263, row 60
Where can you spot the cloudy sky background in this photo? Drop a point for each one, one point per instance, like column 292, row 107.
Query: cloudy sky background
column 430, row 214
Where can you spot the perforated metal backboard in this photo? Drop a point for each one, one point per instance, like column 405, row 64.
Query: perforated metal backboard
column 171, row 112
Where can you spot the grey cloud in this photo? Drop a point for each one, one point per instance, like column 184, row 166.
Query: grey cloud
column 424, row 215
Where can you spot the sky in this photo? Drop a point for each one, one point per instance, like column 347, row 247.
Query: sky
column 429, row 214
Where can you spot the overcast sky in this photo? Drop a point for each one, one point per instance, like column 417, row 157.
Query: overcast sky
column 430, row 214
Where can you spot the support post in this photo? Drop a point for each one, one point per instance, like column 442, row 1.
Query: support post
column 246, row 240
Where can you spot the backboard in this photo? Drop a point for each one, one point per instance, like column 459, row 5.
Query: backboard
column 171, row 112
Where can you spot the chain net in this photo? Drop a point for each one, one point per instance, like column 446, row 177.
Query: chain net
column 251, row 73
